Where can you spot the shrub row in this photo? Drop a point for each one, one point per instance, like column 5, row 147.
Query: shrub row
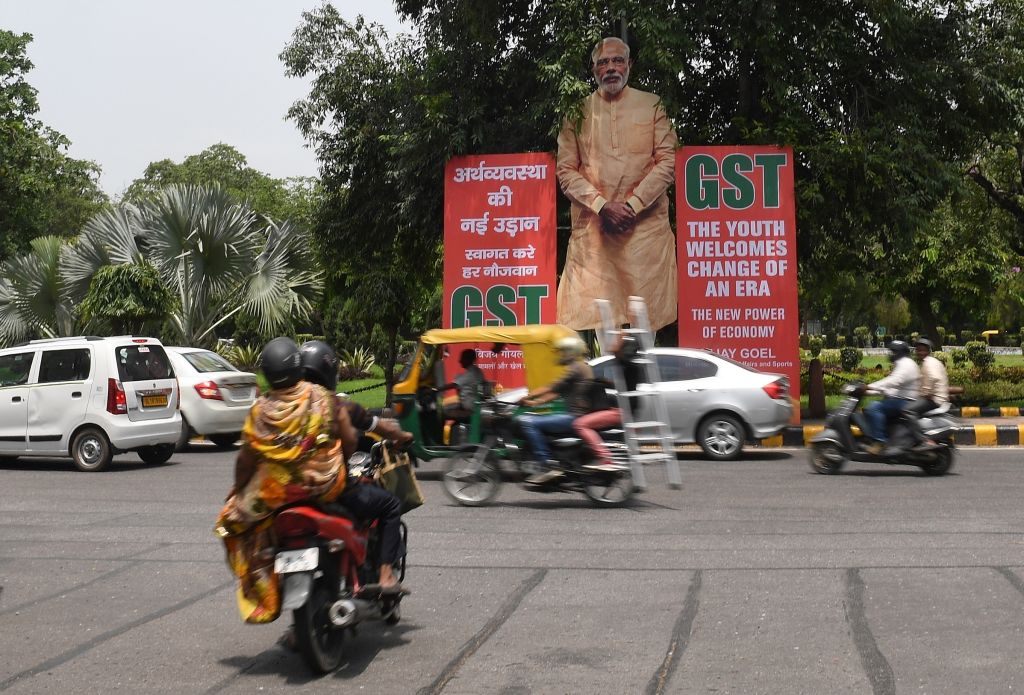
column 863, row 337
column 991, row 386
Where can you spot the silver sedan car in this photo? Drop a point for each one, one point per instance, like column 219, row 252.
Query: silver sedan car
column 215, row 396
column 712, row 400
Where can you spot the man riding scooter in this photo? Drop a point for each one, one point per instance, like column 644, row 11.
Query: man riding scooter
column 899, row 388
column 572, row 386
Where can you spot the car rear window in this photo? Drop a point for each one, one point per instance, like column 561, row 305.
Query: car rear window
column 141, row 362
column 208, row 362
column 65, row 365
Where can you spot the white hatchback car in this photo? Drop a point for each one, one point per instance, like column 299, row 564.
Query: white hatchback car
column 215, row 396
column 88, row 398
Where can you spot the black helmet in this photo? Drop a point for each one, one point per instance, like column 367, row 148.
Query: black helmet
column 281, row 363
column 319, row 364
column 924, row 341
column 898, row 349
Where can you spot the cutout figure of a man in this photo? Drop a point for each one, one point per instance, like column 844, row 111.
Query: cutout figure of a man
column 615, row 166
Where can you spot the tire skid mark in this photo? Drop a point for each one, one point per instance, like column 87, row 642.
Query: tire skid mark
column 477, row 640
column 1011, row 577
column 876, row 667
column 84, row 647
column 129, row 564
column 680, row 637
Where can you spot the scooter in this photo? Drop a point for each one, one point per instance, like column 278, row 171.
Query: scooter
column 837, row 443
column 326, row 563
column 472, row 476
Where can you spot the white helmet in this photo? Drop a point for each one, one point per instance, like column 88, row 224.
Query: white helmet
column 570, row 348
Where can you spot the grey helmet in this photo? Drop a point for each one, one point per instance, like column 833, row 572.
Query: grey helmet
column 898, row 349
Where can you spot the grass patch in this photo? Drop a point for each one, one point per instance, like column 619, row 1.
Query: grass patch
column 370, row 398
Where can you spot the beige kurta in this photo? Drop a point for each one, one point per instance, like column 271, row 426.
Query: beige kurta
column 623, row 151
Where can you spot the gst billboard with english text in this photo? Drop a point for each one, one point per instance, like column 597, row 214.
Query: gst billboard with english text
column 736, row 250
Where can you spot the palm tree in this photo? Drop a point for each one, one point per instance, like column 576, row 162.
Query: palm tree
column 33, row 298
column 217, row 257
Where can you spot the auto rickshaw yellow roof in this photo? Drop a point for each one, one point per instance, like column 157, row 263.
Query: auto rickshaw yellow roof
column 513, row 335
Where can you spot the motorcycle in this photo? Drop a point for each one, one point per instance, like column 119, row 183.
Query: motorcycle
column 837, row 443
column 327, row 563
column 473, row 475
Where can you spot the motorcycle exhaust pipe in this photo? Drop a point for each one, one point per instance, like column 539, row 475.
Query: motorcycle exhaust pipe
column 343, row 613
column 347, row 612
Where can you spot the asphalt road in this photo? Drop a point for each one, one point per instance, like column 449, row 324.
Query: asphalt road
column 757, row 577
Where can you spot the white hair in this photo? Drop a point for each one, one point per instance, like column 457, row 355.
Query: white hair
column 599, row 46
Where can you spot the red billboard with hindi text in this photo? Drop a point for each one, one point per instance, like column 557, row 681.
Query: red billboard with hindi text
column 499, row 250
column 736, row 251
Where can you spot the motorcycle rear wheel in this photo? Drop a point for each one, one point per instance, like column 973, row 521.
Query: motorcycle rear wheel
column 469, row 481
column 941, row 464
column 827, row 458
column 611, row 492
column 320, row 643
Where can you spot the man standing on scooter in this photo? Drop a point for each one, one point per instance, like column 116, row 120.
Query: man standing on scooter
column 899, row 388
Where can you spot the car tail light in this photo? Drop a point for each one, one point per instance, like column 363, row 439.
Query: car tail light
column 777, row 389
column 177, row 391
column 209, row 391
column 117, row 404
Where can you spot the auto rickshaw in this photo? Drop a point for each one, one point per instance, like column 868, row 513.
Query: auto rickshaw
column 416, row 397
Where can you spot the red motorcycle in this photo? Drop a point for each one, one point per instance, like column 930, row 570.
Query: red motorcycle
column 325, row 560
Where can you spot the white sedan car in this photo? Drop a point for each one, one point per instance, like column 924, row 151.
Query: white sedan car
column 714, row 401
column 215, row 396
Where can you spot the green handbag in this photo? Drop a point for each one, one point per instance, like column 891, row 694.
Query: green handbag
column 397, row 477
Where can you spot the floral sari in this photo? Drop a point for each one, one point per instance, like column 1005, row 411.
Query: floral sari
column 293, row 436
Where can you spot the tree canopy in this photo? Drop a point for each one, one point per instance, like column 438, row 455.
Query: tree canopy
column 887, row 106
column 224, row 166
column 43, row 191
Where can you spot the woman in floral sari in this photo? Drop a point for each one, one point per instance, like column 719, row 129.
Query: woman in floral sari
column 294, row 445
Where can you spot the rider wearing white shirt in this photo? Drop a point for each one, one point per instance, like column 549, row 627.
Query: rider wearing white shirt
column 934, row 391
column 899, row 388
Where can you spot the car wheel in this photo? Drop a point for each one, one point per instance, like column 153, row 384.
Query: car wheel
column 91, row 451
column 721, row 437
column 224, row 441
column 186, row 433
column 155, row 455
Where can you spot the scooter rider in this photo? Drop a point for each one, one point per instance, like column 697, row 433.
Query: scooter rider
column 934, row 392
column 899, row 388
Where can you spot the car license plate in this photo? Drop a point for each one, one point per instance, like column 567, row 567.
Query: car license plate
column 296, row 560
column 154, row 401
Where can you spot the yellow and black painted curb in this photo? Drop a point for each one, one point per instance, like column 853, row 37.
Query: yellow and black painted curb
column 966, row 435
column 970, row 411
